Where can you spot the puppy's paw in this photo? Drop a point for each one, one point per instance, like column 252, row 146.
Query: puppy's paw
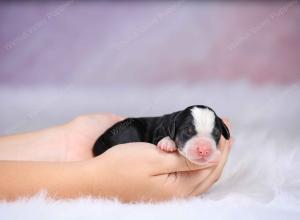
column 167, row 144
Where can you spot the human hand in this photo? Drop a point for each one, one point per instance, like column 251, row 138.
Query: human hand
column 82, row 132
column 139, row 171
column 72, row 141
column 130, row 172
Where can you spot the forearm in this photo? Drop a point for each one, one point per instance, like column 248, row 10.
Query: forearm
column 60, row 180
column 44, row 145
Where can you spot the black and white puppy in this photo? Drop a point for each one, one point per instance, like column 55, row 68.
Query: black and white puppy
column 195, row 132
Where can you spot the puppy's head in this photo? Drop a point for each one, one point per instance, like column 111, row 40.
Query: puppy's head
column 197, row 134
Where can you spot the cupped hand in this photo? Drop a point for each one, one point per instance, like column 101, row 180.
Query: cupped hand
column 130, row 172
column 139, row 171
column 82, row 132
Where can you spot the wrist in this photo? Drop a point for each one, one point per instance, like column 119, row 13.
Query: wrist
column 97, row 181
column 66, row 180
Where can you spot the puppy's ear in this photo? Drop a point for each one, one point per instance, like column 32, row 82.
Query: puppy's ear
column 225, row 130
column 172, row 121
column 171, row 129
column 169, row 125
column 167, row 128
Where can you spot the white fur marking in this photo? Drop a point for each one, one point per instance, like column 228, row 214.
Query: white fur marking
column 204, row 120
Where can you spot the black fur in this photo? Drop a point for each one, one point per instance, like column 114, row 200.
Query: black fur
column 178, row 126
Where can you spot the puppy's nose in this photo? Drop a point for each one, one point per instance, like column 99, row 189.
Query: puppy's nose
column 204, row 148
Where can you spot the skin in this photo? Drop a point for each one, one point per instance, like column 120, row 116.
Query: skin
column 59, row 160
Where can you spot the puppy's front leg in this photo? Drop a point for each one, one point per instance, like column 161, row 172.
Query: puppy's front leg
column 167, row 144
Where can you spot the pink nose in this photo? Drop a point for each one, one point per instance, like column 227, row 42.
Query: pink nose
column 204, row 148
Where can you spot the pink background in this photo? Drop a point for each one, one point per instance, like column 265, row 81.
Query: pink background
column 92, row 43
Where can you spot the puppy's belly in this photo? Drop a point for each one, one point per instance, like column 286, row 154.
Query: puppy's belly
column 126, row 131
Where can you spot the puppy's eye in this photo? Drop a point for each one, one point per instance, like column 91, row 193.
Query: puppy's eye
column 188, row 130
column 216, row 132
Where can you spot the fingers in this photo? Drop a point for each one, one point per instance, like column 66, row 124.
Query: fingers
column 109, row 116
column 174, row 162
column 157, row 161
column 227, row 123
column 117, row 117
column 201, row 180
column 215, row 173
column 192, row 183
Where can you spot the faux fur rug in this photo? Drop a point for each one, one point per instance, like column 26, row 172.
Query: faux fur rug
column 261, row 179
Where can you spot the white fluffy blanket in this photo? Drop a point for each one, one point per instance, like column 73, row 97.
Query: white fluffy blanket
column 261, row 179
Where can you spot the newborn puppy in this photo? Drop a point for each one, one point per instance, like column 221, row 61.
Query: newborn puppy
column 195, row 132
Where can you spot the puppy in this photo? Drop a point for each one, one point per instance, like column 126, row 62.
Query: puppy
column 195, row 132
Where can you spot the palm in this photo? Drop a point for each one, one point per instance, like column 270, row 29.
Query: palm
column 82, row 132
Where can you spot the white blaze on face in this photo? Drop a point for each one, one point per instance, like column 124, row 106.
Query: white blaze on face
column 204, row 122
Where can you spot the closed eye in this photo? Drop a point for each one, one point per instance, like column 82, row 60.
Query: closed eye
column 188, row 130
column 216, row 132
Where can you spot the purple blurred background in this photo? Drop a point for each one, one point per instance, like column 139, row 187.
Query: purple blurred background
column 59, row 59
column 92, row 42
